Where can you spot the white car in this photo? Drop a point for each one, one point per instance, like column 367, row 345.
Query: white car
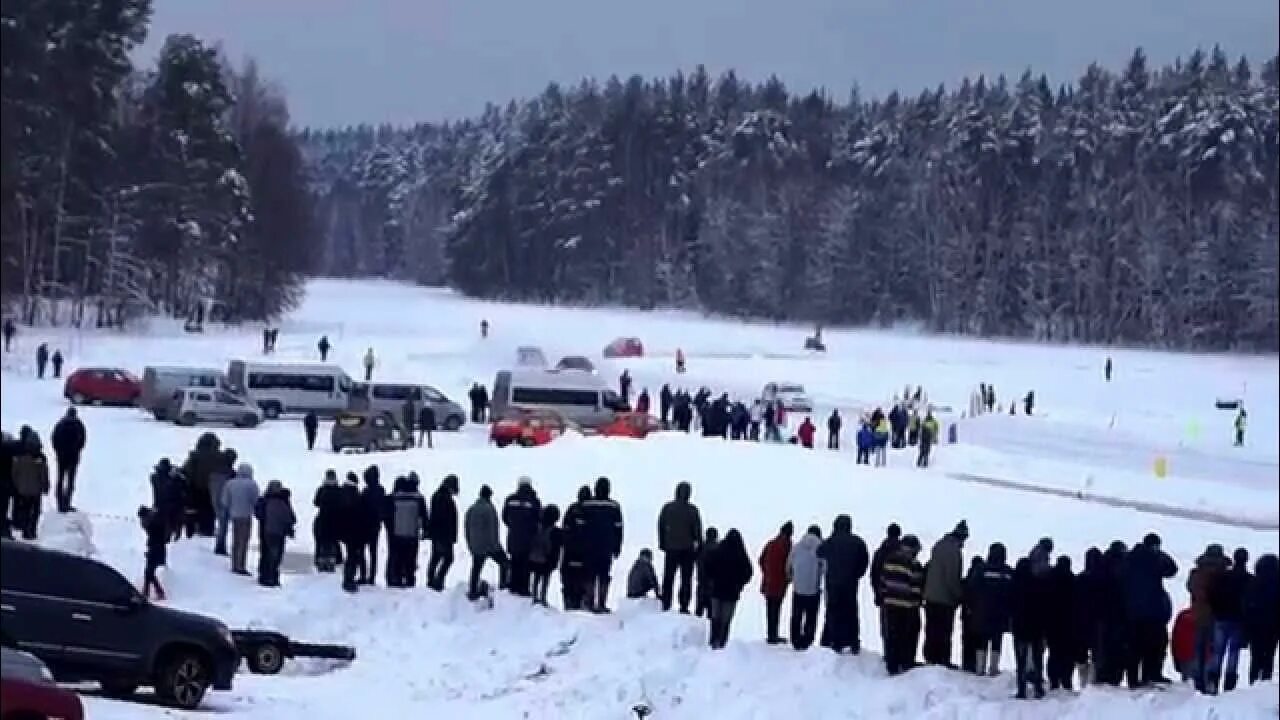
column 190, row 406
column 792, row 395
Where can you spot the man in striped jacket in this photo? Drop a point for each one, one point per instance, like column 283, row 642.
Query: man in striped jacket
column 902, row 588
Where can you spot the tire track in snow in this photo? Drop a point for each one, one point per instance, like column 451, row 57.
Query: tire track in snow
column 1144, row 506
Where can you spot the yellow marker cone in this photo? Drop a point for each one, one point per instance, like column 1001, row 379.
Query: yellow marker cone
column 1161, row 467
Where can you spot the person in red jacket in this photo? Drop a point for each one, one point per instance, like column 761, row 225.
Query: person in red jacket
column 1183, row 644
column 773, row 579
column 806, row 432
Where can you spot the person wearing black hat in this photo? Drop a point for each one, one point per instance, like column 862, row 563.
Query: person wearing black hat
column 521, row 514
column 846, row 560
column 442, row 531
column 1148, row 610
column 603, row 526
column 901, row 590
column 943, row 593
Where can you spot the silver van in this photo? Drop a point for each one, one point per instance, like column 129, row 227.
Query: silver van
column 391, row 397
column 581, row 397
column 280, row 388
column 191, row 406
column 160, row 382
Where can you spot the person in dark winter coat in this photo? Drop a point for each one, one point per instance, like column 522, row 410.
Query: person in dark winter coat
column 350, row 531
column 545, row 555
column 805, row 571
column 323, row 346
column 42, row 359
column 373, row 500
column 834, row 422
column 407, row 522
column 624, row 386
column 971, row 617
column 409, row 418
column 442, row 531
column 845, row 555
column 901, row 590
column 199, row 468
column 642, row 579
column 1261, row 625
column 888, row 546
column 30, row 470
column 1106, row 369
column 166, row 496
column 68, row 440
column 8, row 447
column 993, row 609
column 774, row 580
column 520, row 513
column 1029, row 605
column 324, row 528
column 1148, row 610
column 682, row 412
column 1060, row 632
column 310, row 426
column 943, row 593
column 898, row 426
column 573, row 561
column 928, row 438
column 603, row 518
column 276, row 522
column 56, row 361
column 480, row 525
column 1029, row 402
column 157, row 531
column 1111, row 659
column 479, row 398
column 1086, row 620
column 1227, row 602
column 730, row 570
column 642, row 402
column 664, row 405
column 426, row 426
column 710, row 541
column 679, row 534
column 9, row 331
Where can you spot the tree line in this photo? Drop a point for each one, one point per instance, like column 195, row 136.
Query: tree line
column 1138, row 206
column 175, row 190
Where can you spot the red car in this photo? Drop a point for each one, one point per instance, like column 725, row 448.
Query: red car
column 27, row 690
column 528, row 428
column 624, row 347
column 631, row 424
column 102, row 386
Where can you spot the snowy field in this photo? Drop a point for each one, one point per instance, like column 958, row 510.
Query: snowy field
column 423, row 654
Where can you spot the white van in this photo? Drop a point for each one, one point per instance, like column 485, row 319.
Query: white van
column 280, row 388
column 159, row 384
column 581, row 397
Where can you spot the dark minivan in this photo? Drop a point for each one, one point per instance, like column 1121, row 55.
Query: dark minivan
column 87, row 623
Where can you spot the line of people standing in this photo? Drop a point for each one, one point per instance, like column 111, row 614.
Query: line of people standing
column 25, row 475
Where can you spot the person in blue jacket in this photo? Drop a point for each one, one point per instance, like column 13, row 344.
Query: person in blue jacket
column 866, row 441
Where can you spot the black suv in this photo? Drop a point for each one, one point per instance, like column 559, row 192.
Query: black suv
column 87, row 623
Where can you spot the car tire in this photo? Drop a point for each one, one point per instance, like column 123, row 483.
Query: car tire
column 187, row 419
column 453, row 423
column 183, row 680
column 248, row 421
column 502, row 442
column 271, row 411
column 117, row 689
column 79, row 399
column 526, row 442
column 266, row 658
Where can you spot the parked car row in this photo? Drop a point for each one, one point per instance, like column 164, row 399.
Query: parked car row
column 251, row 392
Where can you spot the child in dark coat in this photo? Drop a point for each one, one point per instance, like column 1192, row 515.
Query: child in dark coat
column 157, row 530
column 545, row 553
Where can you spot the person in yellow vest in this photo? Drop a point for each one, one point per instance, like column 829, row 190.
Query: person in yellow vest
column 928, row 436
column 882, row 431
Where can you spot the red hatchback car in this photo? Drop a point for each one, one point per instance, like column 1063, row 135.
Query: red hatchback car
column 102, row 386
column 27, row 690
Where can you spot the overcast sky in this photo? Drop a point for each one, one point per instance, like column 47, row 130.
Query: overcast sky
column 402, row 61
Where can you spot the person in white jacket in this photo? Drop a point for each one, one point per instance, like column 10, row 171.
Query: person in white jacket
column 806, row 570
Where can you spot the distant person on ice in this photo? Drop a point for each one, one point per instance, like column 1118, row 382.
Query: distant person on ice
column 679, row 360
column 426, row 425
column 1106, row 369
column 833, row 430
column 42, row 359
column 624, row 386
column 1241, row 420
column 369, row 362
column 323, row 346
column 9, row 331
column 484, row 329
column 56, row 361
column 479, row 398
column 806, row 432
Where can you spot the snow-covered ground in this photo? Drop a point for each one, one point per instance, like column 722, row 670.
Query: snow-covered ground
column 422, row 653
